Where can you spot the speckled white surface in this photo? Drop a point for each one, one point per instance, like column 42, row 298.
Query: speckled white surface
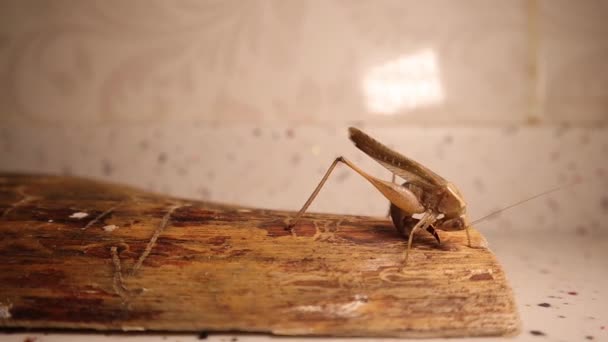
column 278, row 166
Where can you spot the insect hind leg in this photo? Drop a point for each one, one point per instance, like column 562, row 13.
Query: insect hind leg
column 315, row 192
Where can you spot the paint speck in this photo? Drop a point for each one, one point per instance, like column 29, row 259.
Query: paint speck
column 572, row 293
column 110, row 228
column 506, row 224
column 144, row 145
column 203, row 335
column 561, row 316
column 162, row 158
column 604, row 203
column 295, row 159
column 562, row 129
column 589, row 337
column 30, row 339
column 341, row 177
column 182, row 171
column 132, row 328
column 533, row 120
column 289, row 133
column 511, row 130
column 553, row 205
column 106, row 167
column 79, row 215
column 50, row 221
column 537, row 333
column 479, row 185
column 234, row 339
column 581, row 230
column 66, row 170
column 257, row 132
column 5, row 311
column 204, row 193
column 545, row 305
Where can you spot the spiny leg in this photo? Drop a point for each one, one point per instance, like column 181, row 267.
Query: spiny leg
column 433, row 232
column 424, row 222
column 315, row 192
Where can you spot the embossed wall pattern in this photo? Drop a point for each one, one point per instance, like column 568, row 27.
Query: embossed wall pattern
column 437, row 62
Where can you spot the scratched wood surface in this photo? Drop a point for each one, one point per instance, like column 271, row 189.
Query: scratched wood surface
column 141, row 261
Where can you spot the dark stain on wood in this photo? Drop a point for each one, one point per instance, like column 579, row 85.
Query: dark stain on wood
column 481, row 276
column 218, row 240
column 192, row 216
column 275, row 228
column 72, row 309
column 304, row 229
column 48, row 278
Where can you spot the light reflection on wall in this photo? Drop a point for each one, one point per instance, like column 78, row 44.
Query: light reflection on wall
column 407, row 83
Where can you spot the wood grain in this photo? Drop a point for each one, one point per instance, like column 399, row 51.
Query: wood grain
column 142, row 261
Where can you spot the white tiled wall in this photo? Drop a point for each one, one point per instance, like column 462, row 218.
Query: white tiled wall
column 248, row 101
column 573, row 53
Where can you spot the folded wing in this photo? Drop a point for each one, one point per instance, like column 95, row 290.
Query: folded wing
column 395, row 162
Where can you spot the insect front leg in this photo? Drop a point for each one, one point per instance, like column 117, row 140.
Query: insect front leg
column 404, row 222
column 427, row 219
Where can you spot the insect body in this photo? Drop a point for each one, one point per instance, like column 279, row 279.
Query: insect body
column 424, row 192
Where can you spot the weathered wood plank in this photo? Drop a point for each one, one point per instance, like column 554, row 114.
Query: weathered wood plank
column 212, row 267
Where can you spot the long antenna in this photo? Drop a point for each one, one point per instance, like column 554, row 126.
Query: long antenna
column 523, row 201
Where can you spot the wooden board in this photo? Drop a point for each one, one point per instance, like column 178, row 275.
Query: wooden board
column 141, row 261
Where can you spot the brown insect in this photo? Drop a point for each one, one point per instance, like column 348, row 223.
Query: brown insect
column 424, row 192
